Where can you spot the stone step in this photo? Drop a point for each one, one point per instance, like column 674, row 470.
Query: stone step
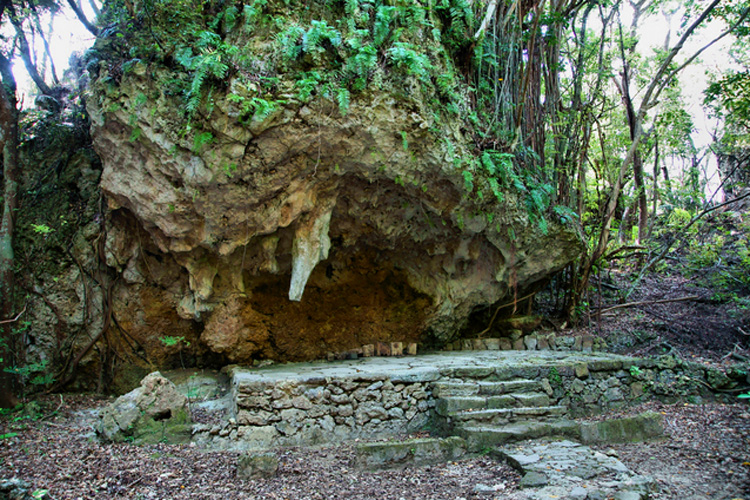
column 451, row 404
column 568, row 469
column 443, row 389
column 481, row 437
column 501, row 416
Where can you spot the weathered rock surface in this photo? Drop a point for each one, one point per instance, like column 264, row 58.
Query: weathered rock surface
column 307, row 231
column 151, row 413
column 257, row 465
column 566, row 469
column 410, row 452
column 16, row 489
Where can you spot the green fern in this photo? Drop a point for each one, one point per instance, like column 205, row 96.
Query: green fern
column 252, row 13
column 200, row 140
column 361, row 65
column 261, row 108
column 295, row 41
column 468, row 180
column 289, row 40
column 211, row 61
column 412, row 62
column 384, row 17
column 342, row 97
column 307, row 84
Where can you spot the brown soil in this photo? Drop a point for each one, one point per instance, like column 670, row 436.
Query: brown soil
column 705, row 454
column 57, row 453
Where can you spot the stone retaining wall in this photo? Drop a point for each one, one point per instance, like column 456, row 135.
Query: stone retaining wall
column 293, row 413
column 378, row 398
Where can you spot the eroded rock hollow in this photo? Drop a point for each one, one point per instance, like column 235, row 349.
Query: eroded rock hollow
column 306, row 227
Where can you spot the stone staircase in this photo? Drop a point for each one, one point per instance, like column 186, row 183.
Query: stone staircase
column 488, row 413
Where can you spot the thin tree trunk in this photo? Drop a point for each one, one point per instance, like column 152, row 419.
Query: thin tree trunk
column 47, row 51
column 23, row 47
column 9, row 141
column 82, row 17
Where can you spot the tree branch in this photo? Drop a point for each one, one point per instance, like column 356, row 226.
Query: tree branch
column 648, row 302
column 82, row 17
column 491, row 8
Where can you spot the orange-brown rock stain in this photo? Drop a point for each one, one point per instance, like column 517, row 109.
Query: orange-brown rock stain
column 341, row 309
column 344, row 306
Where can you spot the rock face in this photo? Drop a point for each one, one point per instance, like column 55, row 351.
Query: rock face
column 306, row 229
column 153, row 412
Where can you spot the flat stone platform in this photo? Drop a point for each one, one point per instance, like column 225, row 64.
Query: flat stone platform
column 299, row 404
column 432, row 367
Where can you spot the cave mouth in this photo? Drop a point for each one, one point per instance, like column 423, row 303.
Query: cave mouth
column 348, row 302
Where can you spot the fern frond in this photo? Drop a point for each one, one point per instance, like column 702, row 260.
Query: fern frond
column 342, row 97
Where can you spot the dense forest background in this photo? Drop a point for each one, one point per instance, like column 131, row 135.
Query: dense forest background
column 569, row 104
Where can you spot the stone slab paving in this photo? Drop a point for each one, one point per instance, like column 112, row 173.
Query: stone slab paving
column 424, row 367
column 569, row 470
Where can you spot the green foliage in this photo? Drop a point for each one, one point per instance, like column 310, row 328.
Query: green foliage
column 170, row 341
column 200, row 140
column 404, row 141
column 209, row 58
column 410, row 61
column 554, row 377
column 41, row 228
column 33, row 373
column 296, row 42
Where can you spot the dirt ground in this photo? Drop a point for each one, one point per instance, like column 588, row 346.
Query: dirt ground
column 57, row 452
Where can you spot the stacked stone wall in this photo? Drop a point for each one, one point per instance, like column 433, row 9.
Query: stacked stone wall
column 290, row 409
column 293, row 413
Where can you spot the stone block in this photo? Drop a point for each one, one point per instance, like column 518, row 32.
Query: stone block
column 636, row 390
column 258, row 437
column 368, row 350
column 492, row 344
column 582, row 370
column 533, row 480
column 542, row 343
column 530, row 342
column 389, row 455
column 641, row 427
column 578, row 343
column 518, row 345
column 151, row 413
column 397, row 348
column 587, row 343
column 467, row 345
column 552, row 341
column 257, row 466
column 526, row 324
column 382, row 349
column 506, row 344
column 478, row 344
column 411, row 349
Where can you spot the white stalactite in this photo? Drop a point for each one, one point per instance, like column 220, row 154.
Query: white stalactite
column 311, row 245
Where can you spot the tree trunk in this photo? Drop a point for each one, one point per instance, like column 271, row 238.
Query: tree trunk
column 9, row 143
column 641, row 199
